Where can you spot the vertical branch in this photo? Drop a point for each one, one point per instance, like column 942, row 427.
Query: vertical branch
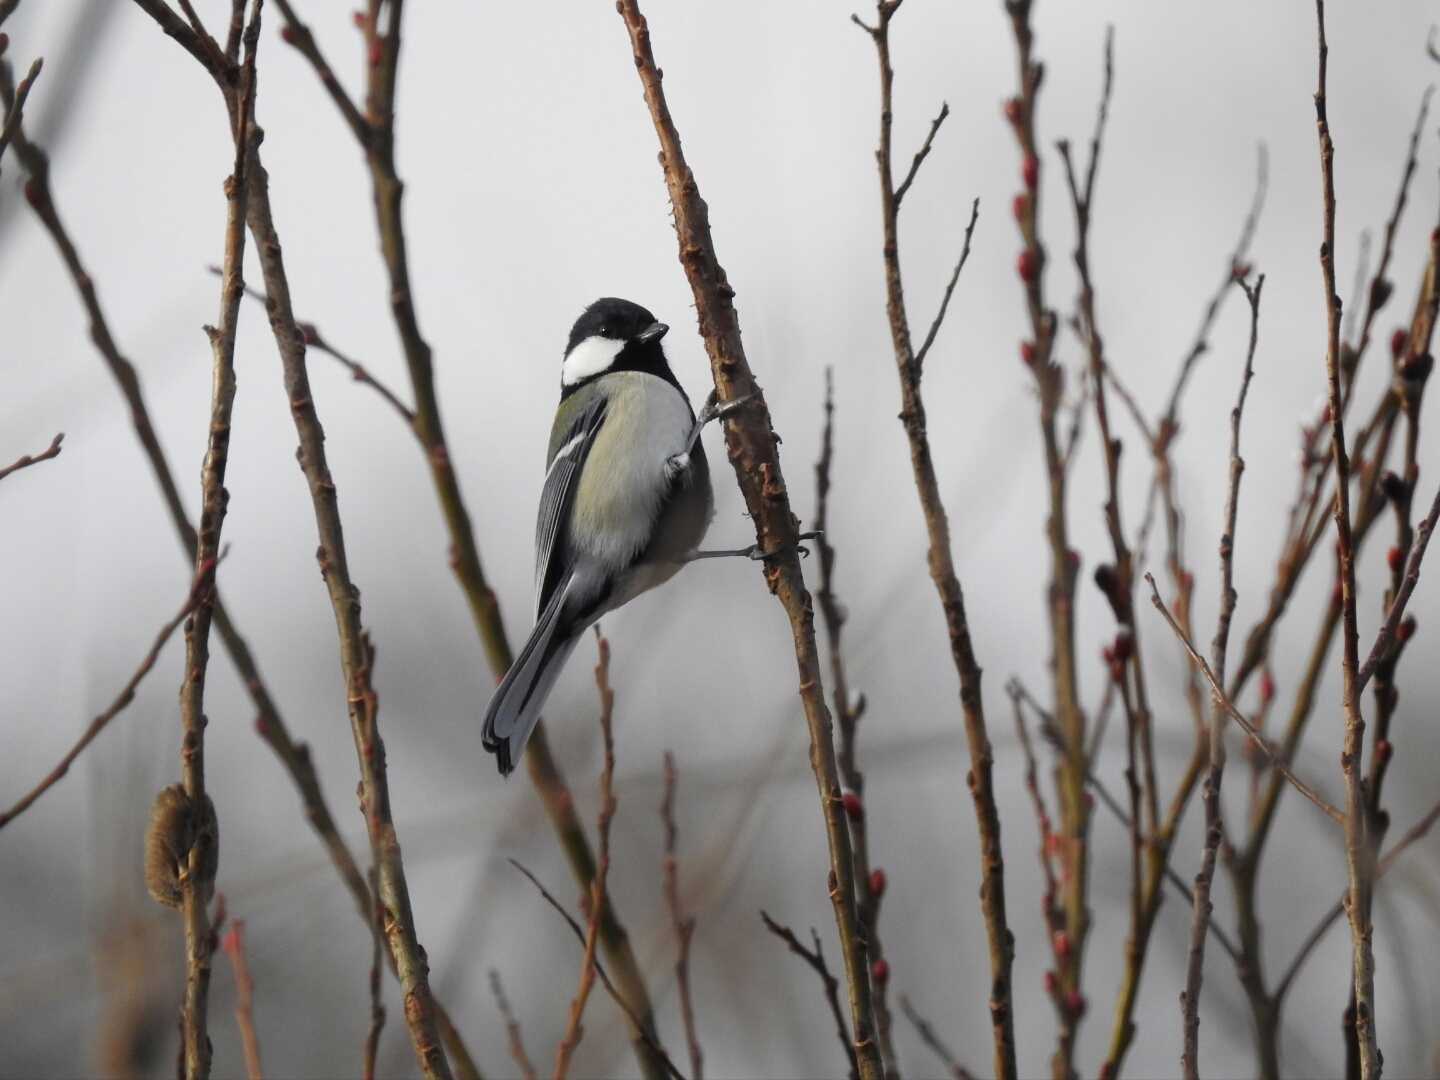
column 1064, row 563
column 869, row 884
column 1359, row 858
column 197, row 883
column 909, row 364
column 683, row 925
column 1200, row 922
column 595, row 902
column 752, row 445
column 371, row 1049
column 234, row 946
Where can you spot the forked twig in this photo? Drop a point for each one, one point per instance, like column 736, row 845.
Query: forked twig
column 1236, row 715
column 815, row 958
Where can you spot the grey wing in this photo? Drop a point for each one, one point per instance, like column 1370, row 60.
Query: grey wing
column 556, row 499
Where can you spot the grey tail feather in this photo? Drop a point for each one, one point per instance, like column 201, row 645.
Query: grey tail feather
column 516, row 704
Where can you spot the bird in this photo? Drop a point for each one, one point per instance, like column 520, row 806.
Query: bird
column 625, row 504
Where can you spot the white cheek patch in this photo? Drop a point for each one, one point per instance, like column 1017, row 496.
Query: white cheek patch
column 592, row 356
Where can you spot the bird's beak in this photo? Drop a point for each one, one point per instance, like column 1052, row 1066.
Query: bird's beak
column 653, row 332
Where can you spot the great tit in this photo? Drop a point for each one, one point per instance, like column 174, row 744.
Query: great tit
column 625, row 504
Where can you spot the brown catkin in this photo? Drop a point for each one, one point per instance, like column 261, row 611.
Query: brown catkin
column 175, row 828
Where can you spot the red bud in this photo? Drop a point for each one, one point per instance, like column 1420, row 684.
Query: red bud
column 1021, row 207
column 377, row 50
column 877, row 883
column 1383, row 751
column 1267, row 687
column 1075, row 1003
column 32, row 193
column 361, row 20
column 1013, row 110
column 1027, row 352
column 880, row 972
column 1187, row 580
column 854, row 808
column 308, row 332
column 1072, row 560
column 287, row 34
column 1052, row 982
column 1124, row 646
column 1240, row 270
column 1061, row 942
column 1406, row 630
column 1399, row 342
column 1089, row 800
column 1027, row 264
column 1395, row 558
column 1030, row 172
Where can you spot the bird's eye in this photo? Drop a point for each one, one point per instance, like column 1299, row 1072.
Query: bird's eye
column 605, row 331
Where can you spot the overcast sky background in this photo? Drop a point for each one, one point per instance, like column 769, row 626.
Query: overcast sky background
column 532, row 188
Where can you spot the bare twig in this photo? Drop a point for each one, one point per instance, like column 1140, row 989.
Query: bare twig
column 1200, row 921
column 52, row 451
column 359, row 372
column 202, row 583
column 1063, row 562
column 816, row 959
column 1358, row 854
column 926, row 1031
column 1386, row 636
column 753, row 451
column 908, row 363
column 681, row 923
column 570, row 1040
column 848, row 709
column 1235, row 714
column 615, row 995
column 371, row 1048
column 923, row 152
column 512, row 1029
column 234, row 947
column 15, row 109
column 197, row 883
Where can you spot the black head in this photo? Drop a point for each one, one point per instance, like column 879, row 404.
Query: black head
column 613, row 335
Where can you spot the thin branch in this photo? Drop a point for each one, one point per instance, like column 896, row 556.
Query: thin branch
column 314, row 339
column 927, row 1035
column 570, row 1040
column 512, row 1029
column 15, row 110
column 1235, row 714
column 52, row 451
column 1214, row 825
column 197, row 883
column 935, row 324
column 816, row 959
column 1385, row 639
column 753, row 451
column 999, row 940
column 615, row 994
column 298, row 35
column 922, row 153
column 234, row 948
column 1358, row 852
column 849, row 709
column 202, row 583
column 681, row 923
column 371, row 1048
